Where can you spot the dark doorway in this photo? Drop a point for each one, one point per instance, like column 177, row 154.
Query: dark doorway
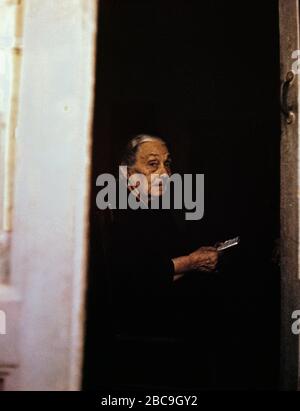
column 205, row 77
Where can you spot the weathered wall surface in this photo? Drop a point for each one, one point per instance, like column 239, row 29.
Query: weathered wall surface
column 49, row 238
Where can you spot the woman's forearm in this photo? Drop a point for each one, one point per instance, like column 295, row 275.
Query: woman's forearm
column 203, row 259
column 181, row 265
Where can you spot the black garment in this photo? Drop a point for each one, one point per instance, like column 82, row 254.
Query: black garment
column 143, row 243
column 161, row 334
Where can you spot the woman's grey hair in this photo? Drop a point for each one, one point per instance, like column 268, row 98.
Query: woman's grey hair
column 133, row 145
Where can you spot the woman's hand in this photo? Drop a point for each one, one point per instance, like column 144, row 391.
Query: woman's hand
column 204, row 259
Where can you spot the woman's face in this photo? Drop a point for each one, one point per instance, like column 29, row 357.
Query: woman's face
column 152, row 158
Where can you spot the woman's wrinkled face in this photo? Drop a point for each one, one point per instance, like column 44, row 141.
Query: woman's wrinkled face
column 153, row 160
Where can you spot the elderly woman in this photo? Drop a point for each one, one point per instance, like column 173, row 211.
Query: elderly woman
column 148, row 253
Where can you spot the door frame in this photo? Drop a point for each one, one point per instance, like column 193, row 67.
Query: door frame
column 289, row 198
column 50, row 238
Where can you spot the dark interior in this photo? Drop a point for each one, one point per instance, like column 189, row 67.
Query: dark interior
column 205, row 77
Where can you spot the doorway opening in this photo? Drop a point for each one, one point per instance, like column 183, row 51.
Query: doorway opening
column 205, row 77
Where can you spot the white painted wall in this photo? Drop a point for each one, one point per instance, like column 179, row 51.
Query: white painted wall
column 49, row 242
